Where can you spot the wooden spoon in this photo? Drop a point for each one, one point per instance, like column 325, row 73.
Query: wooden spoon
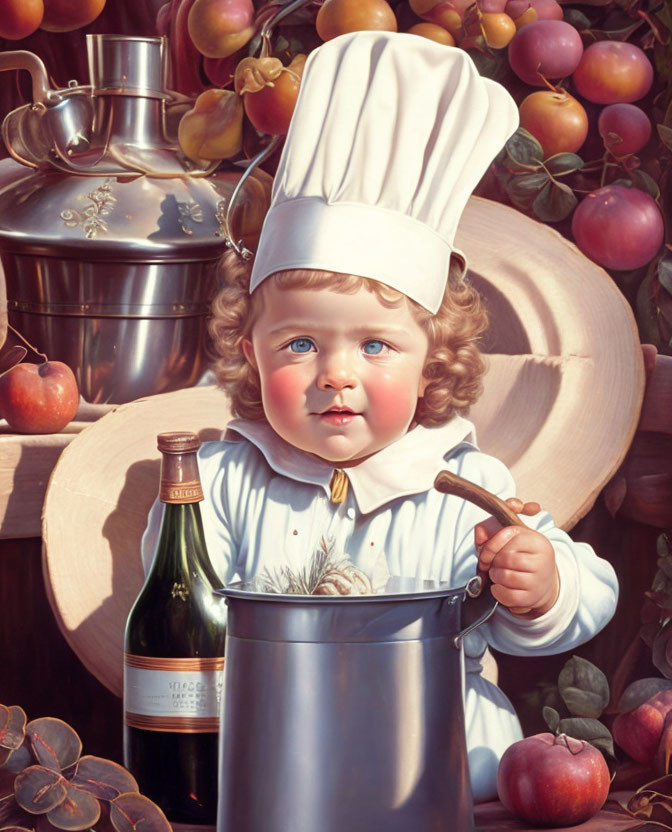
column 449, row 483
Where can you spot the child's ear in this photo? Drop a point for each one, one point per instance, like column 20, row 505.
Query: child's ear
column 422, row 386
column 248, row 352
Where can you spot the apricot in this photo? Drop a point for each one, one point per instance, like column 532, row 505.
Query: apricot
column 269, row 91
column 68, row 15
column 497, row 28
column 433, row 32
column 338, row 17
column 528, row 16
column 213, row 128
column 556, row 119
column 20, row 18
column 218, row 28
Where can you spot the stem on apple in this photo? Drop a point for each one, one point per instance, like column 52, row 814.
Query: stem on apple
column 564, row 738
column 16, row 332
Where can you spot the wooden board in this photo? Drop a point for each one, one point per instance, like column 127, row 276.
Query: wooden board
column 26, row 463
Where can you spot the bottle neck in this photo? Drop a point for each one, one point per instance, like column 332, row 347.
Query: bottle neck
column 181, row 545
column 180, row 480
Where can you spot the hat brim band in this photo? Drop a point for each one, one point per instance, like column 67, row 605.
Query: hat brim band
column 349, row 238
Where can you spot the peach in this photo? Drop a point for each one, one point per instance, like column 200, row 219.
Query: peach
column 20, row 18
column 638, row 732
column 218, row 28
column 68, row 15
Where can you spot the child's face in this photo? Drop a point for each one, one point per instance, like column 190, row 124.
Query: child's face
column 340, row 373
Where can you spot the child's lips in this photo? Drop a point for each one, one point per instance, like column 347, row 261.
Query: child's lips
column 338, row 416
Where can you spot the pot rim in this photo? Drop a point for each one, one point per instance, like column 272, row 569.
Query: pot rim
column 437, row 590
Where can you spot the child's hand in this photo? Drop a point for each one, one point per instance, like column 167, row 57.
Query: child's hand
column 520, row 562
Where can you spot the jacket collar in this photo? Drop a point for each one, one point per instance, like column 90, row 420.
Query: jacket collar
column 407, row 466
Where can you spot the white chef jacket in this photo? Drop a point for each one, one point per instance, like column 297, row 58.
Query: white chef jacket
column 267, row 504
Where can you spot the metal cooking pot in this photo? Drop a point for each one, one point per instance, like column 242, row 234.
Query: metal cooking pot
column 345, row 712
column 109, row 236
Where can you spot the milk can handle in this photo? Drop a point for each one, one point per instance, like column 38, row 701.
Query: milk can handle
column 472, row 592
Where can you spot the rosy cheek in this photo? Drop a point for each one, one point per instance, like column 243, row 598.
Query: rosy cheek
column 394, row 400
column 284, row 390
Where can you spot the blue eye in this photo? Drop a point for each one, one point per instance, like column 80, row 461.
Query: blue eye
column 373, row 347
column 300, row 345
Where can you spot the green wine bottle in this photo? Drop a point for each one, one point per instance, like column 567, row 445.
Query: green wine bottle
column 174, row 653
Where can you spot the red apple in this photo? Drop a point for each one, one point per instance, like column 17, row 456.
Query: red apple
column 638, row 732
column 39, row 398
column 553, row 781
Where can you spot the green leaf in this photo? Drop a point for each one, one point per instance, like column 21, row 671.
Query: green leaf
column 551, row 718
column 615, row 34
column 646, row 183
column 102, row 778
column 646, row 311
column 55, row 744
column 583, row 702
column 12, row 726
column 39, row 789
column 576, row 18
column 640, row 691
column 665, row 135
column 281, row 44
column 523, row 188
column 590, row 730
column 584, row 688
column 524, row 150
column 563, row 163
column 664, row 274
column 555, row 202
column 132, row 812
column 80, row 810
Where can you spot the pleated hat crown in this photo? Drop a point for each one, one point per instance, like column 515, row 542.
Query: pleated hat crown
column 390, row 135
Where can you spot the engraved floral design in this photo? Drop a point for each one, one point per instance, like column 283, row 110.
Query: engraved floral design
column 189, row 212
column 220, row 216
column 91, row 218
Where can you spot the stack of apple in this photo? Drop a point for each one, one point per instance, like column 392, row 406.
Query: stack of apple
column 618, row 226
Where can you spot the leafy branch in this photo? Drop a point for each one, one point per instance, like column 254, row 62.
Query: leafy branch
column 45, row 784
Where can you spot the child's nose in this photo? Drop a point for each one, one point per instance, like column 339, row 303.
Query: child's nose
column 336, row 374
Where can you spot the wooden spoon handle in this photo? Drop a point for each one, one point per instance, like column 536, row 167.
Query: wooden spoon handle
column 449, row 483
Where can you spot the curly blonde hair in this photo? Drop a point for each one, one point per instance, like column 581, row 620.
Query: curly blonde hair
column 454, row 364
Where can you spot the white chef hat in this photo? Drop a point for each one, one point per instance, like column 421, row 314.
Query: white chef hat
column 390, row 135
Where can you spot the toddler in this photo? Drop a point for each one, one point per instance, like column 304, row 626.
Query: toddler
column 348, row 347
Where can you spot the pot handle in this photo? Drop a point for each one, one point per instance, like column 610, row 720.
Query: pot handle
column 479, row 604
column 449, row 483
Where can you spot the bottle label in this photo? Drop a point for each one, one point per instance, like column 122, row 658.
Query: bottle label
column 180, row 492
column 176, row 695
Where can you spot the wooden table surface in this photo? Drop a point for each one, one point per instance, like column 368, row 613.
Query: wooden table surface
column 26, row 463
column 492, row 817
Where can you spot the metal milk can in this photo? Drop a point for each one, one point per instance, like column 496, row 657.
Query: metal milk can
column 345, row 713
column 109, row 236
